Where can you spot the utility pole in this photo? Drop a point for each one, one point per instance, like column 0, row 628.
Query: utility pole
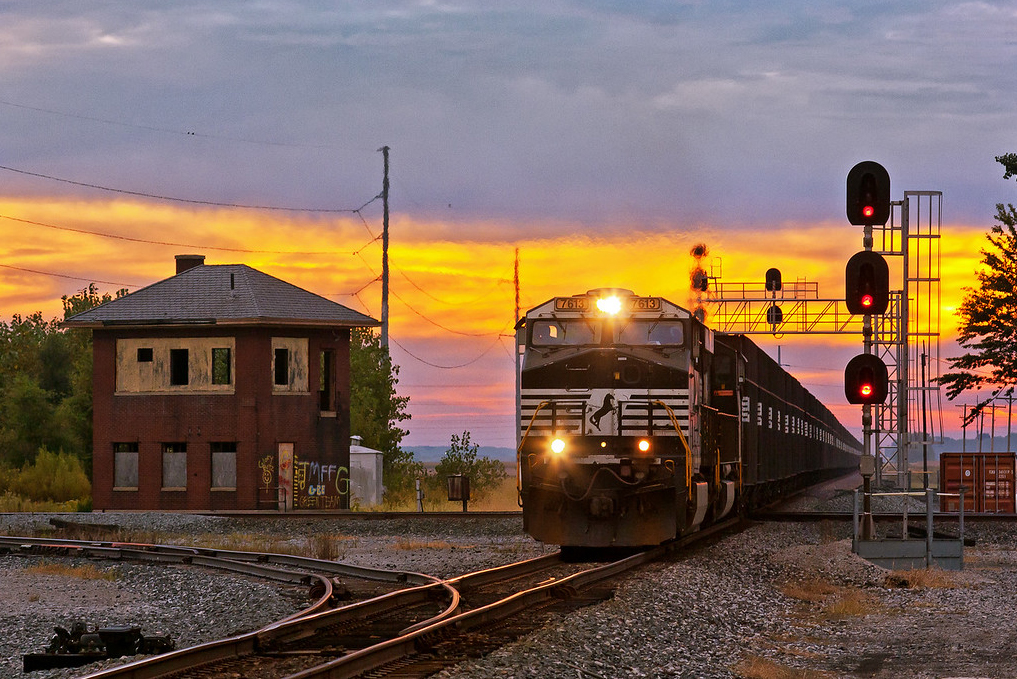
column 515, row 350
column 384, row 254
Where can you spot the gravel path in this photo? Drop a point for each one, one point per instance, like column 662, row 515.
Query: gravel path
column 778, row 598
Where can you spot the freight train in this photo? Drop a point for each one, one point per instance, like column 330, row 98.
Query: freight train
column 639, row 424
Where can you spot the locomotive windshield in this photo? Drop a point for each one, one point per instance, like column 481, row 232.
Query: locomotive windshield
column 580, row 332
column 546, row 333
column 641, row 332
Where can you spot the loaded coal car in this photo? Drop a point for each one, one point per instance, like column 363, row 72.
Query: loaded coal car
column 638, row 424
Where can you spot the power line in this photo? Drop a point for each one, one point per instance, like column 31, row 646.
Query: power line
column 439, row 325
column 446, row 367
column 73, row 278
column 169, row 243
column 187, row 200
column 441, row 301
column 166, row 130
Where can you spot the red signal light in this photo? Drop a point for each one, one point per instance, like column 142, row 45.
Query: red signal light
column 868, row 194
column 865, row 380
column 867, row 283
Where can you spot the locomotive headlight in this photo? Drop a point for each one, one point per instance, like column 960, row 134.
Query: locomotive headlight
column 558, row 446
column 609, row 305
column 643, row 445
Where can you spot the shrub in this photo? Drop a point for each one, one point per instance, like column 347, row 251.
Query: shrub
column 59, row 477
column 484, row 473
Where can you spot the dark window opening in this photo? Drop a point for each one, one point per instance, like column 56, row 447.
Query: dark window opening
column 326, row 381
column 178, row 366
column 282, row 367
column 221, row 366
column 144, row 354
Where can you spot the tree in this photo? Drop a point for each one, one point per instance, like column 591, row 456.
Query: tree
column 46, row 384
column 461, row 458
column 376, row 410
column 988, row 314
column 1009, row 163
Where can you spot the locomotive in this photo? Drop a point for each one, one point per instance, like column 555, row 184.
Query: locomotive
column 639, row 424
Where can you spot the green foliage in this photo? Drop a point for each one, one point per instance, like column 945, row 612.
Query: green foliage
column 51, row 478
column 30, row 420
column 484, row 473
column 58, row 477
column 376, row 410
column 88, row 298
column 988, row 314
column 46, row 384
column 1009, row 163
column 12, row 502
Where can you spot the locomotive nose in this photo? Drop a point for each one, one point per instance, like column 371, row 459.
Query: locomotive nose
column 601, row 506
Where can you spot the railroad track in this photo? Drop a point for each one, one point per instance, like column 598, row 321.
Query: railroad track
column 407, row 633
column 418, row 627
column 914, row 515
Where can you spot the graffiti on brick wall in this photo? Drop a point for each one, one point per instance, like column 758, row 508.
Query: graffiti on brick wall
column 267, row 467
column 319, row 486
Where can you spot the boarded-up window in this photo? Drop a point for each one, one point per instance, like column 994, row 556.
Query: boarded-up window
column 222, row 368
column 125, row 465
column 224, row 465
column 174, row 465
column 178, row 366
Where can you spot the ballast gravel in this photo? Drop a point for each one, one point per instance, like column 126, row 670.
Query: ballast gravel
column 779, row 599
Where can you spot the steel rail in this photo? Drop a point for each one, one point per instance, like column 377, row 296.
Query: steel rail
column 374, row 657
column 446, row 624
column 247, row 563
column 153, row 552
column 307, row 626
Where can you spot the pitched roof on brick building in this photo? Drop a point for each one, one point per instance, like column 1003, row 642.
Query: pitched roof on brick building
column 233, row 294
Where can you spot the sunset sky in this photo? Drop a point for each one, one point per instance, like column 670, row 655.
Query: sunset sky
column 601, row 139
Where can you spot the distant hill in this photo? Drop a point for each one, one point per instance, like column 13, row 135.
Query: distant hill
column 435, row 453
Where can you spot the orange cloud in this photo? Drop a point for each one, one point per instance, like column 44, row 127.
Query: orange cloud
column 453, row 301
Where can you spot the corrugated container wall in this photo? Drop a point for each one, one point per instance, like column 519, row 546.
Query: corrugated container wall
column 988, row 480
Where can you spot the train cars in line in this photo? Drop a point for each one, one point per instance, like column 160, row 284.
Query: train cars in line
column 639, row 424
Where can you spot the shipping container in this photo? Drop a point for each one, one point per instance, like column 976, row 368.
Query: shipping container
column 988, row 480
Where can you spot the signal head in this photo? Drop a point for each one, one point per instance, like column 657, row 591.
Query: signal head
column 868, row 194
column 867, row 283
column 865, row 380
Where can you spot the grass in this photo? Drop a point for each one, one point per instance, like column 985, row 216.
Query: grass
column 812, row 591
column 502, row 498
column 13, row 503
column 432, row 544
column 925, row 578
column 850, row 603
column 831, row 600
column 324, row 546
column 85, row 572
column 755, row 667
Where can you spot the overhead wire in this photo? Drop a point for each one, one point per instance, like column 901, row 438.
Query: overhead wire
column 170, row 243
column 166, row 130
column 500, row 281
column 357, row 211
column 445, row 367
column 73, row 278
column 439, row 325
column 191, row 201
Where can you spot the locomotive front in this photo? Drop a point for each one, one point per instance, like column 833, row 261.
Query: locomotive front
column 609, row 439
